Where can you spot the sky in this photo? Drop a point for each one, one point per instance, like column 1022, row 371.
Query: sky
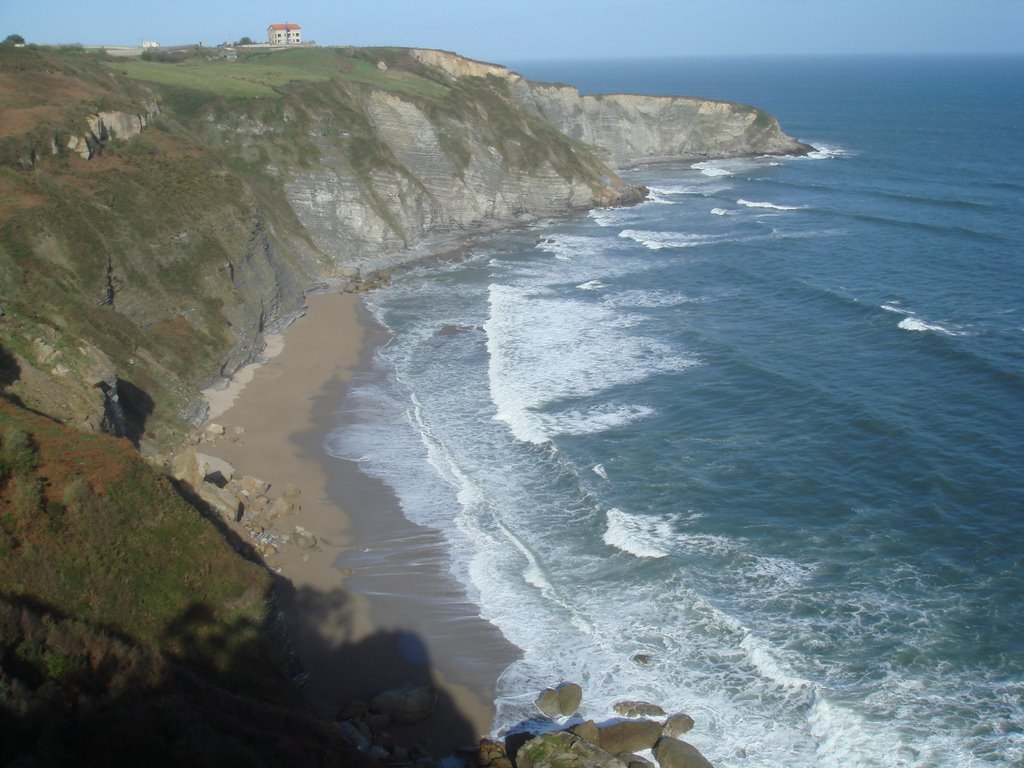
column 523, row 30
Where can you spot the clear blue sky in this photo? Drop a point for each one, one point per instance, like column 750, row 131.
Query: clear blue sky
column 518, row 30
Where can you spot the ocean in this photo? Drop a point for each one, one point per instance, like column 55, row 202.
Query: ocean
column 754, row 449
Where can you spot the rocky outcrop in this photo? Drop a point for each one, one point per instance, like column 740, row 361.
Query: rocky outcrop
column 612, row 744
column 635, row 129
column 427, row 191
column 632, row 128
column 104, row 126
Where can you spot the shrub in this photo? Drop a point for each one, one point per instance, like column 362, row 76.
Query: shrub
column 27, row 493
column 18, row 454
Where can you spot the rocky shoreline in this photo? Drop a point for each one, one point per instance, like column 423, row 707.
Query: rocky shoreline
column 557, row 738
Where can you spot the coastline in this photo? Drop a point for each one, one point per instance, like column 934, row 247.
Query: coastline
column 371, row 606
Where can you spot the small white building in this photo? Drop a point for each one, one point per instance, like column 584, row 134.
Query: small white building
column 284, row 34
column 150, row 44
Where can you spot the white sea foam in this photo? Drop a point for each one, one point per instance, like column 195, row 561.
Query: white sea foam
column 591, row 285
column 657, row 240
column 636, row 534
column 589, row 421
column 648, row 299
column 656, row 197
column 705, row 189
column 545, row 349
column 827, row 151
column 571, row 246
column 599, row 470
column 713, row 168
column 915, row 324
column 723, row 212
column 610, row 217
column 771, row 206
column 891, row 307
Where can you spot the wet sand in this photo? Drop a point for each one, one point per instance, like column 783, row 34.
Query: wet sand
column 372, row 606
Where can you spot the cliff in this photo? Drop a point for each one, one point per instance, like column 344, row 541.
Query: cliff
column 632, row 129
column 159, row 218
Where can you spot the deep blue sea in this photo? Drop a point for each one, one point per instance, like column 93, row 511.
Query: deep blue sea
column 754, row 449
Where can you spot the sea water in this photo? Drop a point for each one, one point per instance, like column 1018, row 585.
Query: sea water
column 753, row 449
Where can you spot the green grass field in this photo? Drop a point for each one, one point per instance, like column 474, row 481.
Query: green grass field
column 261, row 74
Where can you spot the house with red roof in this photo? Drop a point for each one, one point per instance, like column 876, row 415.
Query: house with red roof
column 284, row 34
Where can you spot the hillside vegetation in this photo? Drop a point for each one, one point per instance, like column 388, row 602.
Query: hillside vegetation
column 134, row 278
column 130, row 629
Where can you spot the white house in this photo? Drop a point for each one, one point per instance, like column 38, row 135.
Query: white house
column 284, row 34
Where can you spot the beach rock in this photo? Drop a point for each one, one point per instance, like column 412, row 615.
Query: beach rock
column 641, row 659
column 406, row 705
column 547, row 702
column 291, row 492
column 303, row 539
column 588, row 731
column 629, row 736
column 673, row 753
column 570, row 695
column 677, row 725
column 562, row 701
column 214, row 430
column 215, row 470
column 282, row 508
column 635, row 761
column 489, row 753
column 254, row 486
column 185, row 467
column 564, row 750
column 637, row 709
column 221, row 501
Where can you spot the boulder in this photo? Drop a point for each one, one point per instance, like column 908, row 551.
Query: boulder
column 291, row 492
column 215, row 470
column 673, row 753
column 214, row 430
column 570, row 695
column 221, row 501
column 547, row 702
column 564, row 750
column 185, row 467
column 406, row 705
column 588, row 731
column 638, row 709
column 491, row 754
column 254, row 486
column 282, row 508
column 677, row 725
column 629, row 736
column 303, row 539
column 560, row 702
column 635, row 761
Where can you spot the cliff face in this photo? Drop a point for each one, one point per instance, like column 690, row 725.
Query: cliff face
column 652, row 129
column 179, row 212
column 632, row 129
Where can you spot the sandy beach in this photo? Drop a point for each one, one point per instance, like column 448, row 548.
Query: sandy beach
column 371, row 606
